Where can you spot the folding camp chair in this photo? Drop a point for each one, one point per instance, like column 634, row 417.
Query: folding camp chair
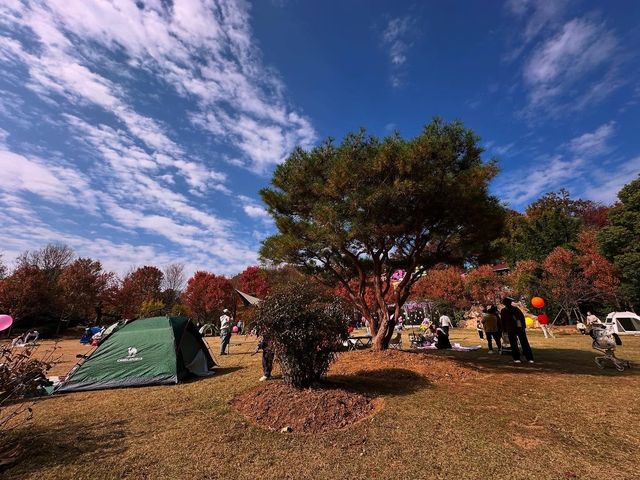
column 506, row 345
column 415, row 340
column 396, row 341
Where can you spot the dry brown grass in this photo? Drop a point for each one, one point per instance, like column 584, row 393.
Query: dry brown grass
column 446, row 415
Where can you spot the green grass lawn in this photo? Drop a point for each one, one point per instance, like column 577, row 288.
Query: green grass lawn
column 559, row 418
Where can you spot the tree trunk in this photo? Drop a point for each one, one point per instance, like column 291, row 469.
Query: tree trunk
column 385, row 332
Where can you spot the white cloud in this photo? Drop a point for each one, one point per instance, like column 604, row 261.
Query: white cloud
column 521, row 186
column 146, row 181
column 536, row 16
column 502, row 149
column 603, row 184
column 204, row 50
column 593, row 143
column 396, row 39
column 581, row 168
column 254, row 210
column 565, row 67
column 51, row 182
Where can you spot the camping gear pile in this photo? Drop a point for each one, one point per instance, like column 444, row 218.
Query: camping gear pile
column 26, row 339
column 91, row 335
column 148, row 351
column 605, row 341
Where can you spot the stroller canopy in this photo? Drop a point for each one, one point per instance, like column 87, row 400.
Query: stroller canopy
column 147, row 351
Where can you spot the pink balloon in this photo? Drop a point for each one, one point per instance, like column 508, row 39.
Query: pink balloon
column 234, row 329
column 5, row 322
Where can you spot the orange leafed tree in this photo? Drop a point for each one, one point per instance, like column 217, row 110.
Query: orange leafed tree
column 564, row 282
column 599, row 272
column 443, row 285
column 485, row 286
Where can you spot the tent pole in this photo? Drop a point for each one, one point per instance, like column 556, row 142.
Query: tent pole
column 554, row 320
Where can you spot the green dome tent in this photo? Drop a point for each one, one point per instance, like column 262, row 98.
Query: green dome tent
column 146, row 351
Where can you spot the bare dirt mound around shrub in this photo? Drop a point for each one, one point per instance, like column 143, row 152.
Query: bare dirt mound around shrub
column 275, row 405
column 433, row 367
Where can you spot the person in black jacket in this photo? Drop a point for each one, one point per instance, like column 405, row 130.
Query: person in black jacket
column 267, row 358
column 513, row 322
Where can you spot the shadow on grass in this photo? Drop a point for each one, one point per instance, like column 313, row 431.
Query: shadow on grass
column 218, row 372
column 389, row 382
column 547, row 360
column 67, row 444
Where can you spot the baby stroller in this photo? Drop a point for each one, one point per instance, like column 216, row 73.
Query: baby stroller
column 606, row 342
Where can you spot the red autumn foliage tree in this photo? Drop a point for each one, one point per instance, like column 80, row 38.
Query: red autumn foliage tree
column 484, row 285
column 82, row 286
column 253, row 280
column 206, row 295
column 141, row 285
column 593, row 215
column 29, row 296
column 443, row 285
column 369, row 292
column 564, row 282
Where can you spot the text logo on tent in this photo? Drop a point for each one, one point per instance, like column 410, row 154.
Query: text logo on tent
column 132, row 355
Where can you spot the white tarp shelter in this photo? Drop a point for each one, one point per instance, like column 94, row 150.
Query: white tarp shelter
column 247, row 299
column 623, row 323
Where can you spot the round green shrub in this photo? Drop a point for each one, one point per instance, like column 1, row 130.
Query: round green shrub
column 304, row 327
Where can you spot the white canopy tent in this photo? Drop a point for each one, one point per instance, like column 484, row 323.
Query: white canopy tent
column 623, row 323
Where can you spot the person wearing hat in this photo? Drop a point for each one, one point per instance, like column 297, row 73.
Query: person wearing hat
column 513, row 322
column 225, row 331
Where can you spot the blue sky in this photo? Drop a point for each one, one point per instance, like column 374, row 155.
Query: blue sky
column 141, row 132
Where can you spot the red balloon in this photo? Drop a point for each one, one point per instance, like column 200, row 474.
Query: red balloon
column 537, row 302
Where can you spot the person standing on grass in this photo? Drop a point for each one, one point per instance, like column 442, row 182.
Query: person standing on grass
column 225, row 331
column 491, row 324
column 267, row 358
column 543, row 320
column 445, row 323
column 480, row 329
column 592, row 319
column 513, row 322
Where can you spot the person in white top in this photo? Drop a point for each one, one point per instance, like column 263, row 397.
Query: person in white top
column 591, row 319
column 225, row 331
column 445, row 324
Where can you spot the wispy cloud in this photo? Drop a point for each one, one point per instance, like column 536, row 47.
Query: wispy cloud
column 86, row 60
column 583, row 51
column 593, row 143
column 603, row 184
column 53, row 183
column 534, row 17
column 584, row 165
column 567, row 64
column 396, row 39
column 521, row 186
column 254, row 209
